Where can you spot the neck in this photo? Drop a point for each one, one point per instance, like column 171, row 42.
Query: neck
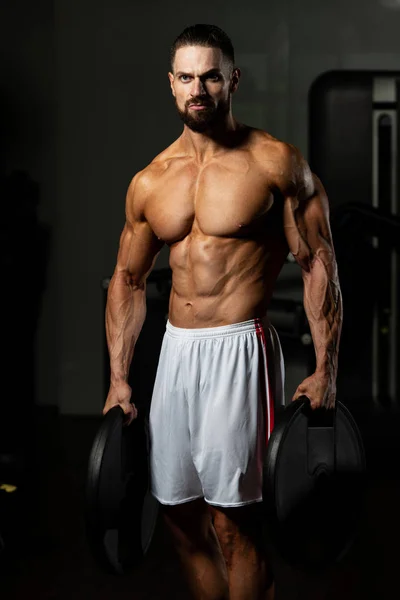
column 204, row 146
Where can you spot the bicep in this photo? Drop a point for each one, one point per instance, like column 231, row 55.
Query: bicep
column 138, row 250
column 138, row 246
column 307, row 226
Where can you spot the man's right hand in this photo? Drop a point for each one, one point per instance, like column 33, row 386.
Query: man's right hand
column 120, row 395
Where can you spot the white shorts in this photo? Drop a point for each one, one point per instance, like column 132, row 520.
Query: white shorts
column 212, row 412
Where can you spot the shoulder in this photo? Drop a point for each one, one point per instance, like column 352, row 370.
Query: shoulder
column 136, row 195
column 299, row 186
column 139, row 190
column 295, row 178
column 145, row 182
column 286, row 167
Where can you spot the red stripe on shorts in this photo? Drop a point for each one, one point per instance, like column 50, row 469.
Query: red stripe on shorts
column 267, row 398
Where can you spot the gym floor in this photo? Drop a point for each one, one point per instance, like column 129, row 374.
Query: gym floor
column 47, row 558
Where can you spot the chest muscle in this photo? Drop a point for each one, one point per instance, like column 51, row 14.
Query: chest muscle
column 222, row 201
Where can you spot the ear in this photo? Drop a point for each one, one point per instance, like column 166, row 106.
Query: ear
column 171, row 82
column 235, row 79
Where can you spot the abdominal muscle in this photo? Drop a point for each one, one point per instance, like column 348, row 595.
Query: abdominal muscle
column 220, row 281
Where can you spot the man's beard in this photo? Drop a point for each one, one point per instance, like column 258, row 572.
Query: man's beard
column 205, row 119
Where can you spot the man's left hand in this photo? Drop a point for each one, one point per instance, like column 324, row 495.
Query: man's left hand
column 319, row 390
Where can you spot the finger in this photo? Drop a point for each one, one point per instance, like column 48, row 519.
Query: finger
column 133, row 410
column 130, row 415
column 303, row 395
column 298, row 394
column 315, row 404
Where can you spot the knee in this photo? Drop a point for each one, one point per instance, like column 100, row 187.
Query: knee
column 244, row 520
column 189, row 524
column 239, row 528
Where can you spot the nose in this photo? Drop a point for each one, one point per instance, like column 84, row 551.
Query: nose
column 197, row 88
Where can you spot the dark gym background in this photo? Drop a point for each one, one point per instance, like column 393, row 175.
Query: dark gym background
column 84, row 104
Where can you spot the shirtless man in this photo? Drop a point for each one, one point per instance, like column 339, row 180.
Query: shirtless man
column 230, row 201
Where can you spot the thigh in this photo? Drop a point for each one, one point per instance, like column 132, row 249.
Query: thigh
column 228, row 423
column 172, row 473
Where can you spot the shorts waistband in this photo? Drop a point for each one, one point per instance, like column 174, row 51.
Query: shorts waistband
column 214, row 332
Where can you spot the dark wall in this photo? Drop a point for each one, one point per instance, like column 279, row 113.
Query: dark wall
column 87, row 83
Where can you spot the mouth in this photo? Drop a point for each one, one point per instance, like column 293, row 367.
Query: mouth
column 198, row 106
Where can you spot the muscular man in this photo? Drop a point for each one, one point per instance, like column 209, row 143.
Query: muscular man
column 230, row 201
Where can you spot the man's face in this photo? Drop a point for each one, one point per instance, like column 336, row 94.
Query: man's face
column 202, row 85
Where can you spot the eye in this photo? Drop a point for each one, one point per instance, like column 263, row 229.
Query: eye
column 182, row 78
column 214, row 77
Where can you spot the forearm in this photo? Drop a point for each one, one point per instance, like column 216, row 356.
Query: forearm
column 125, row 315
column 323, row 306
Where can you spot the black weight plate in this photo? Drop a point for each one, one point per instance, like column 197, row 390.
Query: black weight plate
column 313, row 484
column 120, row 512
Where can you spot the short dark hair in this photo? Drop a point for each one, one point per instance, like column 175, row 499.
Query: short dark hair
column 209, row 36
